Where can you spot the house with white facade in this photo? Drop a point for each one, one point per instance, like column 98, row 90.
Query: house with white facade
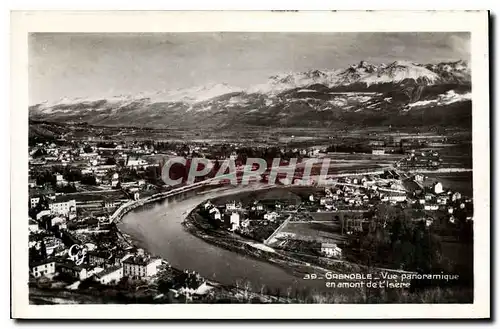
column 215, row 213
column 62, row 206
column 331, row 250
column 110, row 275
column 34, row 201
column 141, row 267
column 134, row 162
column 43, row 268
column 437, row 188
column 234, row 221
column 271, row 216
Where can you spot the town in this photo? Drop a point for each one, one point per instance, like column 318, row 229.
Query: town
column 325, row 221
column 77, row 186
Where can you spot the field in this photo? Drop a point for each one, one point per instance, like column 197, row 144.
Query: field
column 267, row 196
column 459, row 155
column 460, row 181
column 458, row 253
column 320, row 231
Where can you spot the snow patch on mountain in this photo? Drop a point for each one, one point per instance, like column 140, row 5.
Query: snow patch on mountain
column 285, row 81
column 182, row 95
column 444, row 99
column 399, row 71
column 193, row 95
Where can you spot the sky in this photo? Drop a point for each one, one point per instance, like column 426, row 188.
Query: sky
column 111, row 64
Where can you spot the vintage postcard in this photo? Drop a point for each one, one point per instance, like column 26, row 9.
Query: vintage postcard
column 250, row 165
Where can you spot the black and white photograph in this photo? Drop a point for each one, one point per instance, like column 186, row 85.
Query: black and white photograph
column 260, row 167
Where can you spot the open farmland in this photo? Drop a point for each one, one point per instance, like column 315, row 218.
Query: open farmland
column 327, row 231
column 458, row 181
column 353, row 163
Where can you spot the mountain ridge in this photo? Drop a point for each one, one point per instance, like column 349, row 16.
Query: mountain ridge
column 360, row 92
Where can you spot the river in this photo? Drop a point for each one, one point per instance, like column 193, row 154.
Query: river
column 157, row 227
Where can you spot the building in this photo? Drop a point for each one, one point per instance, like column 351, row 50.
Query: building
column 442, row 199
column 215, row 213
column 271, row 216
column 43, row 268
column 53, row 244
column 33, row 226
column 397, row 197
column 102, row 258
column 331, row 250
column 431, row 207
column 419, row 178
column 234, row 221
column 140, row 267
column 245, row 223
column 32, row 182
column 79, row 272
column 208, row 205
column 135, row 162
column 110, row 203
column 111, row 275
column 378, row 151
column 58, row 221
column 42, row 214
column 376, row 143
column 233, row 206
column 437, row 188
column 62, row 206
column 34, row 201
column 193, row 289
column 456, row 196
column 60, row 181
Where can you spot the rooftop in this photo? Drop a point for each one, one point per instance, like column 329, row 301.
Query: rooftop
column 107, row 271
column 143, row 261
column 328, row 245
column 42, row 262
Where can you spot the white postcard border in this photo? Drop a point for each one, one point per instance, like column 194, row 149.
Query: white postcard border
column 475, row 22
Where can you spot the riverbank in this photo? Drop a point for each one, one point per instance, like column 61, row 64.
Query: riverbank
column 296, row 263
column 162, row 229
column 229, row 291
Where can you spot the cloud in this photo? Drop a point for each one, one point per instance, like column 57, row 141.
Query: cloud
column 460, row 44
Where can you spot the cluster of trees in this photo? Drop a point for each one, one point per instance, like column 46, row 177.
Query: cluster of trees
column 267, row 153
column 69, row 173
column 352, row 148
column 39, row 153
column 36, row 255
column 150, row 174
column 106, row 144
column 357, row 148
column 396, row 241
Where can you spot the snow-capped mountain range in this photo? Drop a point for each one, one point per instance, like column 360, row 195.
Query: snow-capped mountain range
column 291, row 98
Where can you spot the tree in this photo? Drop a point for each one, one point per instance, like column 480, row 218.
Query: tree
column 43, row 250
column 88, row 180
column 110, row 161
column 39, row 153
column 33, row 254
